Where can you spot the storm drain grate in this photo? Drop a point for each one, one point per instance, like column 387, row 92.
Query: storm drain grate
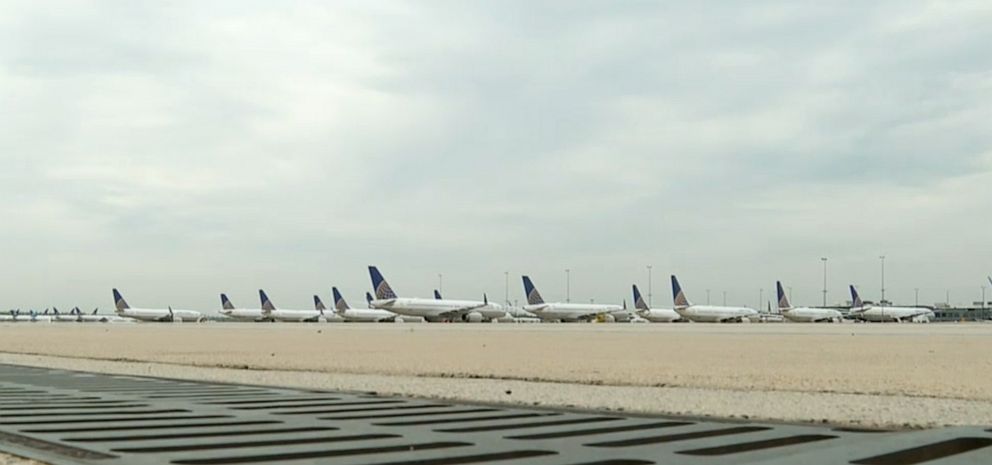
column 65, row 417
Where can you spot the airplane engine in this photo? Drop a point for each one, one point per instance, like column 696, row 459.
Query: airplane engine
column 606, row 318
column 473, row 317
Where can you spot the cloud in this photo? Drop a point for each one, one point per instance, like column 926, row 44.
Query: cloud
column 180, row 150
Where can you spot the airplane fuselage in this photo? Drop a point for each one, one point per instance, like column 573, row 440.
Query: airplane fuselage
column 660, row 315
column 245, row 314
column 894, row 314
column 570, row 312
column 812, row 315
column 439, row 309
column 149, row 314
column 366, row 315
column 715, row 314
column 295, row 316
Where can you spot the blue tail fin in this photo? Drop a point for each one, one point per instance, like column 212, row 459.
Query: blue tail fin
column 437, row 295
column 266, row 303
column 533, row 297
column 318, row 304
column 339, row 303
column 119, row 301
column 678, row 296
column 856, row 301
column 783, row 300
column 639, row 302
column 368, row 299
column 380, row 286
column 225, row 302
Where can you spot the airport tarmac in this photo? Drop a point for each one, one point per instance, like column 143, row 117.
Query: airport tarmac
column 872, row 375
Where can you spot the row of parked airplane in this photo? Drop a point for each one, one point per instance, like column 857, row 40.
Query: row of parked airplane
column 385, row 305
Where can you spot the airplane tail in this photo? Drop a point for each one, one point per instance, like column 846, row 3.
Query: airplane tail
column 678, row 295
column 95, row 310
column 856, row 301
column 639, row 302
column 339, row 303
column 318, row 304
column 533, row 297
column 437, row 295
column 380, row 286
column 225, row 303
column 266, row 303
column 368, row 299
column 783, row 300
column 119, row 301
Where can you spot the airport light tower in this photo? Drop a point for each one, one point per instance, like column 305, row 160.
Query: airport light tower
column 824, row 260
column 568, row 285
column 882, row 258
column 649, row 285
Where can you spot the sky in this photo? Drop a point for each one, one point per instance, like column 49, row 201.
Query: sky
column 177, row 150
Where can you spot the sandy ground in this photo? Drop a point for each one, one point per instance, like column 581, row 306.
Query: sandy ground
column 871, row 375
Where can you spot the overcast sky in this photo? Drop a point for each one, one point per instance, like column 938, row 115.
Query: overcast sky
column 181, row 149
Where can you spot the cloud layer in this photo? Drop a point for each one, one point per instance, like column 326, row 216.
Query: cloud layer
column 178, row 150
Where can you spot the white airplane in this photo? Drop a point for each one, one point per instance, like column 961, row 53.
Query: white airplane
column 805, row 314
column 32, row 316
column 709, row 313
column 241, row 314
column 270, row 311
column 432, row 309
column 654, row 315
column 879, row 313
column 148, row 314
column 558, row 311
column 343, row 310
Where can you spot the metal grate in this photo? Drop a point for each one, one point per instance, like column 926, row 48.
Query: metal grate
column 65, row 417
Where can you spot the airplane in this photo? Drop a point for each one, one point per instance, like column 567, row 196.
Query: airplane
column 64, row 317
column 242, row 314
column 148, row 314
column 805, row 314
column 432, row 309
column 881, row 313
column 708, row 313
column 565, row 312
column 343, row 310
column 437, row 295
column 96, row 317
column 654, row 315
column 271, row 312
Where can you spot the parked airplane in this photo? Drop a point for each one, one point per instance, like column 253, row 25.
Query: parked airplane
column 270, row 311
column 708, row 313
column 654, row 315
column 437, row 295
column 345, row 311
column 149, row 314
column 878, row 313
column 805, row 314
column 242, row 314
column 431, row 309
column 558, row 311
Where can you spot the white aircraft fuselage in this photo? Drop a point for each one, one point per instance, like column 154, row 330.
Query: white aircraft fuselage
column 570, row 312
column 894, row 314
column 717, row 314
column 366, row 315
column 150, row 314
column 295, row 316
column 660, row 315
column 812, row 315
column 244, row 314
column 439, row 309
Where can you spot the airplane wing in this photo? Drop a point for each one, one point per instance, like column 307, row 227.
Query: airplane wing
column 460, row 311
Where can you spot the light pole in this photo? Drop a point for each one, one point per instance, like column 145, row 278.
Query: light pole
column 983, row 297
column 790, row 294
column 649, row 285
column 440, row 283
column 707, row 297
column 917, row 297
column 568, row 285
column 506, row 292
column 761, row 298
column 882, row 258
column 824, row 260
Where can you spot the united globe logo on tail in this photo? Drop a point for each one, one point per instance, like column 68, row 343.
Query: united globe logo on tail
column 379, row 284
column 679, row 297
column 533, row 297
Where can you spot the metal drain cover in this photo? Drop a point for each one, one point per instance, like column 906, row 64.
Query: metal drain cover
column 66, row 417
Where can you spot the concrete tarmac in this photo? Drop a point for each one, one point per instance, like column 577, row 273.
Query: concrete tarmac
column 874, row 375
